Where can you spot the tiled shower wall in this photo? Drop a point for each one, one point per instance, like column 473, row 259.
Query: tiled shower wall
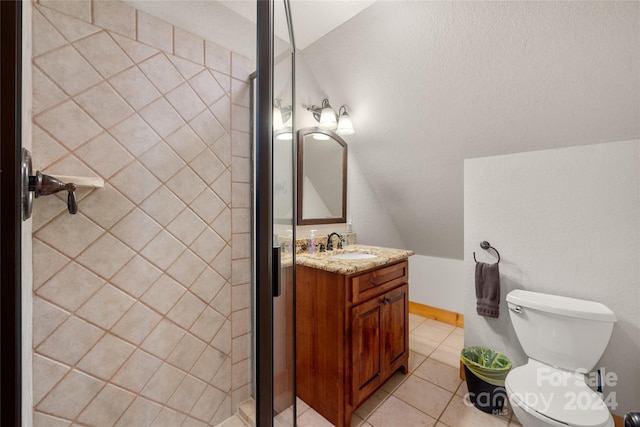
column 142, row 299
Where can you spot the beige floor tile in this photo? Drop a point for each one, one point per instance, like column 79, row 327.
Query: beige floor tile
column 441, row 424
column 431, row 332
column 424, row 396
column 357, row 421
column 395, row 412
column 439, row 374
column 440, row 325
column 394, row 382
column 462, row 414
column 454, row 340
column 422, row 345
column 462, row 390
column 415, row 321
column 369, row 406
column 447, row 355
column 415, row 360
column 312, row 419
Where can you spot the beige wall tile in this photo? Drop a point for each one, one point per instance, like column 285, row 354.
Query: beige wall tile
column 135, row 135
column 161, row 72
column 70, row 341
column 164, row 383
column 240, row 93
column 189, row 46
column 134, row 87
column 49, row 372
column 80, row 9
column 107, row 407
column 162, row 161
column 137, row 371
column 104, row 155
column 208, row 324
column 56, row 120
column 141, row 412
column 217, row 57
column 241, row 144
column 241, row 67
column 187, row 268
column 138, row 52
column 103, row 54
column 207, row 166
column 208, row 403
column 71, row 286
column 186, row 143
column 187, row 352
column 70, row 395
column 106, row 256
column 106, row 307
column 155, row 249
column 45, row 35
column 187, row 393
column 208, row 364
column 115, row 16
column 207, row 87
column 136, row 324
column 49, row 318
column 46, row 93
column 68, row 69
column 162, row 117
column 187, row 68
column 106, row 357
column 138, row 275
column 240, row 118
column 155, row 32
column 70, row 27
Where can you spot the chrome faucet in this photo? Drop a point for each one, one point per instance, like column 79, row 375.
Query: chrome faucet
column 330, row 243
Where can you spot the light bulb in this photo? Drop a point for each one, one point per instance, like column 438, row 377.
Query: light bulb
column 345, row 126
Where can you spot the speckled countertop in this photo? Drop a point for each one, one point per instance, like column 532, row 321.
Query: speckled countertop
column 323, row 260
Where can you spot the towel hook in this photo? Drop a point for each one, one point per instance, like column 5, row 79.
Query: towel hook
column 486, row 245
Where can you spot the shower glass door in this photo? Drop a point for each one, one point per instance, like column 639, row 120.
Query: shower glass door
column 275, row 213
column 142, row 299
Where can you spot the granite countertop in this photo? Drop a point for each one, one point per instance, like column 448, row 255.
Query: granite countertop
column 323, row 260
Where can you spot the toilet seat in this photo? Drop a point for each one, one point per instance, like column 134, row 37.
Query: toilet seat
column 556, row 396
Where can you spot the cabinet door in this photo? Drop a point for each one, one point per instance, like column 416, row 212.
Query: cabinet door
column 394, row 324
column 365, row 347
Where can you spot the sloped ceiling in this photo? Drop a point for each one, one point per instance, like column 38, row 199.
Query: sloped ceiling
column 433, row 83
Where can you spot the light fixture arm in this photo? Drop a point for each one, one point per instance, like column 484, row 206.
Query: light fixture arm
column 284, row 111
column 317, row 111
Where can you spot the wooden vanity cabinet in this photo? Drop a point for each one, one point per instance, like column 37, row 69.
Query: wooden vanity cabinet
column 351, row 336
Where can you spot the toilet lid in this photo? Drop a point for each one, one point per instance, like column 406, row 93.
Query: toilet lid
column 557, row 394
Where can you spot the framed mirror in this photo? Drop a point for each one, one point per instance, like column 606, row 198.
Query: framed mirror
column 322, row 177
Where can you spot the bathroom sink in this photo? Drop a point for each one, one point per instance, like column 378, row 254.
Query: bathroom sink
column 353, row 256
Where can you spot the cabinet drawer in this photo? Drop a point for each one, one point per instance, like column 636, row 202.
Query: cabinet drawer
column 379, row 281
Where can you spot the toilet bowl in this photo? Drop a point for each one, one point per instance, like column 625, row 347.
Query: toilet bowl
column 564, row 339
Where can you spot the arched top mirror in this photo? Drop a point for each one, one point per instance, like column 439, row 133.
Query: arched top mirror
column 322, row 177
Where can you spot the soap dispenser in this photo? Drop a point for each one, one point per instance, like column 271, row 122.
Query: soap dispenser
column 312, row 242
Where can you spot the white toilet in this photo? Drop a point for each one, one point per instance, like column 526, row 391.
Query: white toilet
column 564, row 338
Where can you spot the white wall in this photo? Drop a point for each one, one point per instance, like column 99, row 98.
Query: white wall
column 370, row 220
column 438, row 282
column 566, row 222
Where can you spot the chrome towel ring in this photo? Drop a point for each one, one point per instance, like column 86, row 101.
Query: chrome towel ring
column 486, row 245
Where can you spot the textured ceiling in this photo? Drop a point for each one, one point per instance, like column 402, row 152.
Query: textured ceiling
column 432, row 83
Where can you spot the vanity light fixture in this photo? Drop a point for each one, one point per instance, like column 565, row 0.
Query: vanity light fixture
column 345, row 126
column 328, row 119
column 281, row 115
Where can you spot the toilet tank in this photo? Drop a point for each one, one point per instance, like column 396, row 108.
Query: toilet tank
column 563, row 332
